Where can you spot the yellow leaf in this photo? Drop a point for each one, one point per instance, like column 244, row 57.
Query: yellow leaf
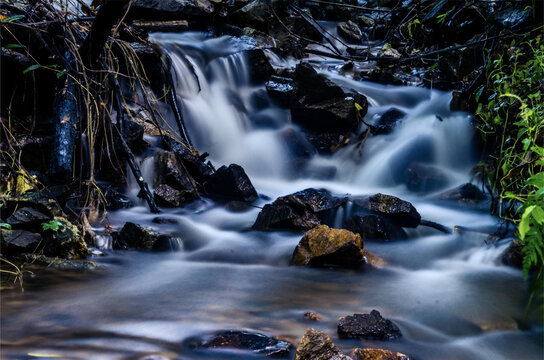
column 44, row 355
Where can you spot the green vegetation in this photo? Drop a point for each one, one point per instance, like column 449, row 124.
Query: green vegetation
column 12, row 271
column 513, row 127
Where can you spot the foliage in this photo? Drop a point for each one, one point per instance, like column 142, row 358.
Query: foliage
column 51, row 225
column 512, row 123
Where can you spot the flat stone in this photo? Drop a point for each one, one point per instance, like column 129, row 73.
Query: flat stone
column 27, row 216
column 18, row 241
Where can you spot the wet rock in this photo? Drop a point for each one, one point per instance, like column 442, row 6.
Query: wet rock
column 173, row 9
column 320, row 105
column 115, row 200
column 425, row 178
column 167, row 196
column 366, row 21
column 513, row 255
column 350, row 31
column 231, row 182
column 168, row 171
column 373, row 259
column 324, row 142
column 465, row 194
column 280, row 89
column 377, row 354
column 260, row 69
column 164, row 220
column 420, row 149
column 28, row 218
column 245, row 340
column 298, row 147
column 389, row 52
column 316, row 345
column 19, row 241
column 302, row 210
column 259, row 100
column 194, row 163
column 136, row 236
column 387, row 121
column 398, row 211
column 168, row 243
column 256, row 14
column 43, row 201
column 512, row 18
column 133, row 132
column 323, row 246
column 61, row 264
column 64, row 240
column 374, row 227
column 368, row 326
column 312, row 315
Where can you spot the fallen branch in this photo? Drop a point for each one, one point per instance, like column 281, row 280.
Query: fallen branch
column 349, row 6
column 436, row 226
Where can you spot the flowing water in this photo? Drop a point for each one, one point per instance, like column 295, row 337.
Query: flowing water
column 447, row 293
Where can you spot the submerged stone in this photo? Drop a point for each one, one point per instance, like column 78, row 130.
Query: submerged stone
column 374, row 227
column 368, row 326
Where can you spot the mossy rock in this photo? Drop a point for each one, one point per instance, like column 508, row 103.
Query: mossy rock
column 323, row 246
column 64, row 240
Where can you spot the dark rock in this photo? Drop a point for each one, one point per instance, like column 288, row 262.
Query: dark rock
column 195, row 165
column 61, row 264
column 512, row 18
column 43, row 201
column 513, row 255
column 115, row 200
column 168, row 171
column 280, row 89
column 19, row 241
column 260, row 69
column 324, row 142
column 136, row 236
column 315, row 345
column 374, row 227
column 320, row 105
column 167, row 196
column 27, row 217
column 350, row 31
column 425, row 178
column 231, row 182
column 298, row 147
column 368, row 326
column 133, row 132
column 398, row 211
column 168, row 243
column 173, row 9
column 459, row 102
column 323, row 246
column 237, row 206
column 302, row 210
column 259, row 100
column 377, row 354
column 65, row 242
column 164, row 220
column 257, row 13
column 465, row 194
column 420, row 149
column 245, row 340
column 387, row 121
column 35, row 152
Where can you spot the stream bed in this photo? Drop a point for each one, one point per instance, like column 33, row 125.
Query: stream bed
column 448, row 293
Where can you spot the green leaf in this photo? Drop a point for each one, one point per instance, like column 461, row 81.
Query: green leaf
column 15, row 46
column 51, row 225
column 12, row 19
column 61, row 73
column 31, row 68
column 538, row 214
column 537, row 180
column 5, row 226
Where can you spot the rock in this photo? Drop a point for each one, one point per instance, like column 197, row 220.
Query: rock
column 133, row 132
column 19, row 241
column 302, row 210
column 377, row 354
column 168, row 171
column 350, row 31
column 231, row 182
column 387, row 122
column 194, row 163
column 374, row 227
column 316, row 345
column 61, row 264
column 35, row 152
column 260, row 69
column 366, row 21
column 172, row 9
column 512, row 18
column 311, row 315
column 424, row 178
column 465, row 194
column 257, row 14
column 323, row 246
column 248, row 341
column 28, row 218
column 136, row 236
column 398, row 211
column 167, row 196
column 373, row 259
column 168, row 243
column 43, row 201
column 320, row 105
column 280, row 89
column 164, row 220
column 259, row 100
column 299, row 148
column 368, row 326
column 389, row 52
column 419, row 149
column 513, row 255
column 114, row 199
column 65, row 242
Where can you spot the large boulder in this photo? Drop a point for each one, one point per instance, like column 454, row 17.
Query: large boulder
column 43, row 201
column 323, row 246
column 168, row 171
column 135, row 236
column 374, row 227
column 398, row 211
column 63, row 239
column 302, row 210
column 19, row 241
column 316, row 345
column 192, row 161
column 368, row 326
column 350, row 31
column 231, row 182
column 320, row 105
column 377, row 354
column 245, row 341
